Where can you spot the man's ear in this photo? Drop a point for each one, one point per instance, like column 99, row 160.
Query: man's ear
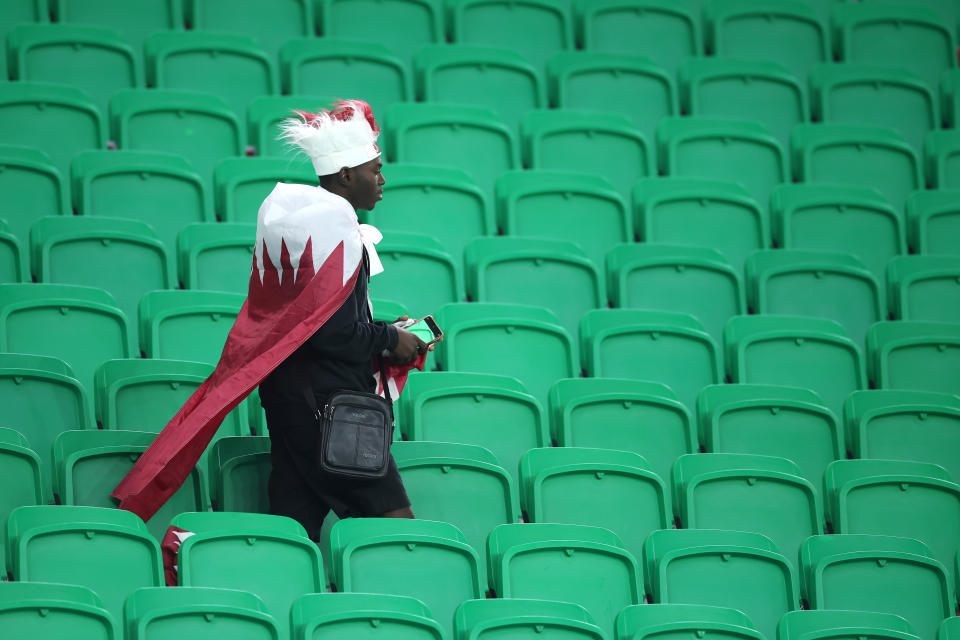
column 345, row 176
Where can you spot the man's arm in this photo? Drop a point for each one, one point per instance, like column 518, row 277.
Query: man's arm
column 344, row 337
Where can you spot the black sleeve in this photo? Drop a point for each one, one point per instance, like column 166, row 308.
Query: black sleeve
column 348, row 338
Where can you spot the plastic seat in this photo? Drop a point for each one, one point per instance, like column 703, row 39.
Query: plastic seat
column 825, row 217
column 87, row 251
column 948, row 629
column 657, row 346
column 827, row 624
column 933, row 221
column 423, row 559
column 45, row 319
column 788, row 33
column 18, row 11
column 500, row 79
column 535, row 28
column 885, row 97
column 39, row 610
column 269, row 556
column 705, row 213
column 685, row 279
column 13, row 260
column 554, row 274
column 20, row 466
column 529, row 342
column 473, row 139
column 664, row 31
column 810, row 353
column 768, row 420
column 233, row 67
column 198, row 126
column 683, row 567
column 264, row 117
column 187, row 325
column 357, row 615
column 133, row 21
column 605, row 144
column 757, row 90
column 419, row 271
column 651, row 620
column 631, row 86
column 216, row 256
column 950, row 105
column 88, row 465
column 857, row 155
column 564, row 205
column 242, row 184
column 891, row 35
column 415, row 194
column 462, row 484
column 487, row 619
column 404, row 26
column 192, row 612
column 836, row 286
column 55, row 119
column 269, row 23
column 107, row 550
column 915, row 355
column 923, row 288
column 239, row 471
column 34, row 188
column 565, row 562
column 878, row 573
column 159, row 189
column 904, row 425
column 943, row 159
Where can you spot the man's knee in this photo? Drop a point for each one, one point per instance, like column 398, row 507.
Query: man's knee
column 405, row 512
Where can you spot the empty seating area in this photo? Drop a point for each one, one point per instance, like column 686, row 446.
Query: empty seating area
column 696, row 263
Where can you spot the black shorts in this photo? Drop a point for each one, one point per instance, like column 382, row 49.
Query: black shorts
column 300, row 490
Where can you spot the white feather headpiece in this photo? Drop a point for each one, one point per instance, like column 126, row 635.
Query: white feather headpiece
column 345, row 136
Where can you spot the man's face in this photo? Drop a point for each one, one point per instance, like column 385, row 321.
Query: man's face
column 367, row 184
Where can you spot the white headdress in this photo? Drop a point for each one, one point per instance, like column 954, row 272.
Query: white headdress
column 345, row 136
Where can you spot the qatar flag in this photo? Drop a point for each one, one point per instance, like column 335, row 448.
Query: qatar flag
column 308, row 252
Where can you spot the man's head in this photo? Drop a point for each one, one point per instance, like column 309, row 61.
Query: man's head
column 361, row 186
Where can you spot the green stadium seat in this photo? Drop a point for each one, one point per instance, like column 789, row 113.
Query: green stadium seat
column 20, row 466
column 757, row 90
column 216, row 256
column 564, row 205
column 522, row 618
column 52, row 118
column 198, row 126
column 14, row 266
column 933, row 222
column 269, row 556
column 404, row 26
column 810, row 353
column 499, row 79
column 45, row 319
column 388, row 310
column 42, row 610
column 632, row 86
column 588, row 142
column 264, row 116
column 187, row 325
column 889, row 424
column 423, row 559
column 473, row 139
column 159, row 189
column 536, row 29
column 788, row 33
column 269, row 23
column 924, row 288
column 642, row 622
column 163, row 613
column 563, row 484
column 891, row 97
column 107, row 550
column 878, row 573
column 948, row 629
column 705, row 213
column 664, row 31
column 18, row 11
column 915, row 355
column 441, row 201
column 656, row 346
column 950, row 105
column 737, row 569
column 419, row 271
column 565, row 562
column 842, row 219
column 829, row 625
column 462, row 484
column 943, row 159
column 239, row 470
column 769, row 420
column 627, row 415
column 123, row 257
column 685, row 279
column 857, row 155
column 242, row 184
column 33, row 187
column 554, row 274
column 135, row 22
column 528, row 342
column 895, row 35
column 819, row 284
column 363, row 615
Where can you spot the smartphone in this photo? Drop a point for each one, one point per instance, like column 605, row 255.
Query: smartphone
column 426, row 329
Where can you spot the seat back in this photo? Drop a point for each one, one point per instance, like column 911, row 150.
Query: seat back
column 21, row 466
column 483, row 619
column 185, row 612
column 654, row 620
column 943, row 159
column 13, row 259
column 418, row 270
column 187, row 325
column 933, row 221
column 135, row 22
column 269, row 23
column 915, row 355
column 239, row 471
column 823, row 624
column 359, row 615
column 216, row 256
column 923, row 288
column 38, row 610
column 34, row 186
column 404, row 26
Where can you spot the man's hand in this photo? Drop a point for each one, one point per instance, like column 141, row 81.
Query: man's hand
column 409, row 346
